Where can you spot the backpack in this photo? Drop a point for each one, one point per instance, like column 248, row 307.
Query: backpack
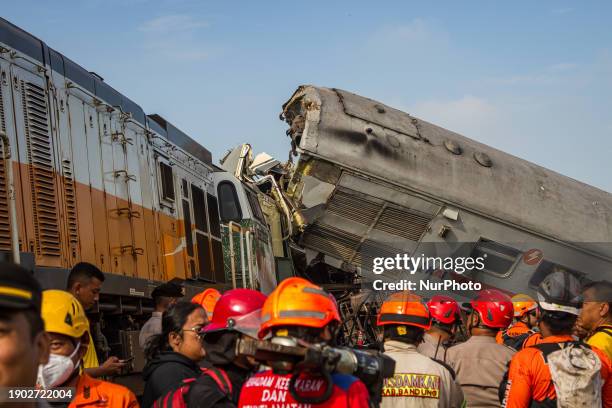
column 515, row 342
column 575, row 371
column 176, row 398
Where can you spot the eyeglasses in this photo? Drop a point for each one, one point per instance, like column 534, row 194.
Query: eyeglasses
column 198, row 330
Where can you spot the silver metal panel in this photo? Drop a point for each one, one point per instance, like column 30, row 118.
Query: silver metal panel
column 534, row 198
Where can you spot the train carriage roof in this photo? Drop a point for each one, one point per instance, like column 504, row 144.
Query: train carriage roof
column 23, row 41
column 394, row 146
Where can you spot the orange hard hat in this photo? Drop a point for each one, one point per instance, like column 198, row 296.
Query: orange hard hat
column 404, row 308
column 207, row 299
column 298, row 302
column 523, row 304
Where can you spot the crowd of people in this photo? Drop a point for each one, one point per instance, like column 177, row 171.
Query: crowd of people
column 554, row 350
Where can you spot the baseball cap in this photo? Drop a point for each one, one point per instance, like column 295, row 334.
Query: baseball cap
column 18, row 288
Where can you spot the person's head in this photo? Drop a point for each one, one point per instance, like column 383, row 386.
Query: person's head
column 68, row 329
column 237, row 314
column 207, row 299
column 445, row 316
column 85, row 282
column 181, row 332
column 560, row 302
column 404, row 317
column 597, row 306
column 165, row 295
column 298, row 308
column 526, row 310
column 489, row 312
column 24, row 345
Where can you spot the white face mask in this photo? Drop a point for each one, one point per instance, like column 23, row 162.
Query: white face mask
column 57, row 370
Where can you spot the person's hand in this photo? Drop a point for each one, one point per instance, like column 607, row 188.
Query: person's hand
column 112, row 366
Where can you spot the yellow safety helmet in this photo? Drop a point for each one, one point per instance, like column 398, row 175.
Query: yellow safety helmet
column 523, row 304
column 63, row 314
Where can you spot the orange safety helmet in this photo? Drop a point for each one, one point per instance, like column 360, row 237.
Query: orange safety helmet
column 523, row 304
column 298, row 302
column 404, row 308
column 207, row 299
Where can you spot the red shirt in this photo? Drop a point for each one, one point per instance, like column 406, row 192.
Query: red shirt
column 269, row 390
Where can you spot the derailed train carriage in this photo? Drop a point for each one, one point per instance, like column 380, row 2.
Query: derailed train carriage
column 372, row 182
column 85, row 175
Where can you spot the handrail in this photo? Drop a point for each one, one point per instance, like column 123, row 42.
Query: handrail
column 231, row 244
column 249, row 254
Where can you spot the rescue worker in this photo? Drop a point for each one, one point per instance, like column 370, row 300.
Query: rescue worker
column 164, row 296
column 85, row 283
column 299, row 309
column 445, row 321
column 526, row 315
column 207, row 299
column 480, row 363
column 24, row 345
column 174, row 354
column 221, row 383
column 596, row 315
column 68, row 329
column 418, row 381
column 530, row 381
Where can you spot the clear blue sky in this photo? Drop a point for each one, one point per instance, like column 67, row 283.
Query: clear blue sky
column 533, row 78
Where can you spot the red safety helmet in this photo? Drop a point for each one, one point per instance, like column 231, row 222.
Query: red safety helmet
column 232, row 305
column 444, row 309
column 494, row 308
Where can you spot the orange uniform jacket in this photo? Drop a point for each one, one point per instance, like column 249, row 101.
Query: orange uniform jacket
column 529, row 378
column 91, row 392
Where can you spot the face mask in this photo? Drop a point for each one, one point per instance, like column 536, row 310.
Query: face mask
column 57, row 370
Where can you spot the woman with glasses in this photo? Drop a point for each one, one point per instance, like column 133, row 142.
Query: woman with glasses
column 173, row 355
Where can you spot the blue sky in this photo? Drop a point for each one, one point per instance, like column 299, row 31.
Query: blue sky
column 533, row 78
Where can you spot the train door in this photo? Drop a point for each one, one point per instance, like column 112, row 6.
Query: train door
column 187, row 230
column 148, row 207
column 169, row 201
column 9, row 154
column 246, row 237
column 111, row 204
column 133, row 149
column 123, row 245
column 36, row 155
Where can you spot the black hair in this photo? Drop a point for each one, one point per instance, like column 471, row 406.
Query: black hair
column 173, row 321
column 83, row 271
column 559, row 322
column 602, row 292
column 34, row 319
column 404, row 333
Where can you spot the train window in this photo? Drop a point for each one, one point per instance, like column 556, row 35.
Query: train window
column 498, row 259
column 230, row 206
column 213, row 215
column 199, row 208
column 167, row 181
column 546, row 268
column 255, row 207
